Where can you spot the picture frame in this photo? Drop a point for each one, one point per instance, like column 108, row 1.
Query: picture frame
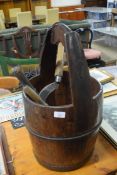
column 3, row 162
column 6, row 160
column 109, row 123
column 110, row 88
column 11, row 106
column 101, row 75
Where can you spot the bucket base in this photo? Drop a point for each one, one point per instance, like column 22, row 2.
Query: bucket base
column 63, row 168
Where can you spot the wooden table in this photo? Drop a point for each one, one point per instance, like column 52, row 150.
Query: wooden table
column 102, row 162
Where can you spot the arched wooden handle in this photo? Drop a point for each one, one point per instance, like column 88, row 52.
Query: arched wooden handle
column 78, row 69
column 80, row 82
column 54, row 36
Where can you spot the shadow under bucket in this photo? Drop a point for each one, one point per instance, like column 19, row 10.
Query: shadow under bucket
column 63, row 134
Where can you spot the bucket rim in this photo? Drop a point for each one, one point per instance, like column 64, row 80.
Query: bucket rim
column 94, row 97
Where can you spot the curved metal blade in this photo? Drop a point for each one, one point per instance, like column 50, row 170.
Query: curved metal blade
column 47, row 90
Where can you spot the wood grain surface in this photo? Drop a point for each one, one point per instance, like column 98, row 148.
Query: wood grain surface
column 102, row 162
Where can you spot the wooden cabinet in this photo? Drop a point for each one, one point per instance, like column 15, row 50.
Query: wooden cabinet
column 68, row 13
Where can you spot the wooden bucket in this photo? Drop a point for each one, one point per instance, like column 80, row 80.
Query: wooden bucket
column 63, row 134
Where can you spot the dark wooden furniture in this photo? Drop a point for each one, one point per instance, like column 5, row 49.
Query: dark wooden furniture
column 93, row 56
column 3, row 50
column 69, row 13
column 26, row 34
column 68, row 154
column 99, row 3
column 6, row 43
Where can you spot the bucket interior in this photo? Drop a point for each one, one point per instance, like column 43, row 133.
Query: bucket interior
column 62, row 95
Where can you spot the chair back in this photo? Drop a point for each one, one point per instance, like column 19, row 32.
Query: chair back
column 92, row 56
column 5, row 62
column 3, row 46
column 2, row 25
column 13, row 12
column 52, row 16
column 2, row 14
column 26, row 36
column 24, row 19
column 40, row 10
column 86, row 35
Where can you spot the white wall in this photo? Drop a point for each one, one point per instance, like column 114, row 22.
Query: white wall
column 63, row 3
